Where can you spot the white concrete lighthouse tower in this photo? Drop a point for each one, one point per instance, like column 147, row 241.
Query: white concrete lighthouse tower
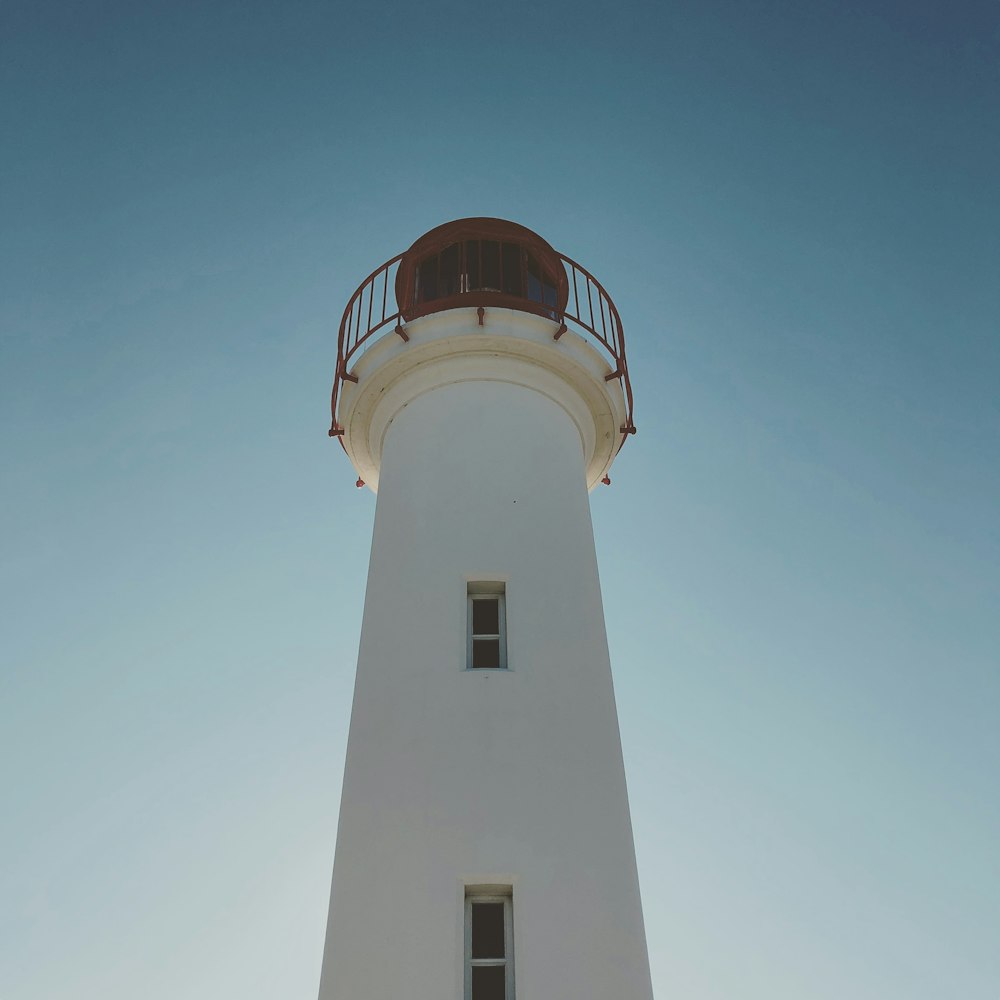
column 485, row 849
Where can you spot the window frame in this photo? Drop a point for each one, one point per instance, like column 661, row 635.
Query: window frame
column 490, row 894
column 479, row 591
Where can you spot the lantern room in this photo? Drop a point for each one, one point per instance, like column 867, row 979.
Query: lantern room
column 468, row 287
column 498, row 263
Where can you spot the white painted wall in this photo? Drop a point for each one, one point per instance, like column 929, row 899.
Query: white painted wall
column 456, row 777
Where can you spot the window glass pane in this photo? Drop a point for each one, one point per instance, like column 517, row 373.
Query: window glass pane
column 486, row 616
column 472, row 265
column 488, row 982
column 491, row 265
column 534, row 279
column 427, row 285
column 487, row 930
column 449, row 270
column 512, row 283
column 485, row 654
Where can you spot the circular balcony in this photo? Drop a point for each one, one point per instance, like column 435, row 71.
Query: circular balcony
column 485, row 264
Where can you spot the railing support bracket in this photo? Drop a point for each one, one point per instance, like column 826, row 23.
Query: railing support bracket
column 480, row 312
column 560, row 331
column 617, row 373
column 401, row 330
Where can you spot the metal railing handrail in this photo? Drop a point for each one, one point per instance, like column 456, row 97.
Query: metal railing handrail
column 367, row 308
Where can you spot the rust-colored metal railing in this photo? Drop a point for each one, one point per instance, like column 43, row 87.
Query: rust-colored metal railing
column 589, row 310
column 611, row 334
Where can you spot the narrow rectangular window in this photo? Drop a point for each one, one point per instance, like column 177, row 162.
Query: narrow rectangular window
column 486, row 646
column 489, row 944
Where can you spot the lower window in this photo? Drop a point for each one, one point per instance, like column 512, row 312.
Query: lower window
column 489, row 940
column 486, row 639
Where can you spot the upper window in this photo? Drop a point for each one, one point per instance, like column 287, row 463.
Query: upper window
column 486, row 643
column 489, row 945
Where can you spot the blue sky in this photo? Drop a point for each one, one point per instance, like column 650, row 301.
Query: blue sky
column 796, row 209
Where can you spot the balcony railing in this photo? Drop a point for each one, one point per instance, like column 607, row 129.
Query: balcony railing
column 372, row 309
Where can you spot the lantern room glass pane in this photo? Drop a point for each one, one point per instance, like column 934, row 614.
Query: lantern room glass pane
column 534, row 275
column 540, row 287
column 485, row 654
column 427, row 279
column 487, row 930
column 448, row 276
column 491, row 265
column 472, row 269
column 513, row 282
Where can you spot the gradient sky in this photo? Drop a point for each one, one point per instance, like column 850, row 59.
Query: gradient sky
column 795, row 205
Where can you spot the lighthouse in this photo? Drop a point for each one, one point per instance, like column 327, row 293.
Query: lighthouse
column 484, row 850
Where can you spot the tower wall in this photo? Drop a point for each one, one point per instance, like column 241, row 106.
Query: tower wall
column 456, row 777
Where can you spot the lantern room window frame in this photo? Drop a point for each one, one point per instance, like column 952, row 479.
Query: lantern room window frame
column 462, row 280
column 475, row 267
